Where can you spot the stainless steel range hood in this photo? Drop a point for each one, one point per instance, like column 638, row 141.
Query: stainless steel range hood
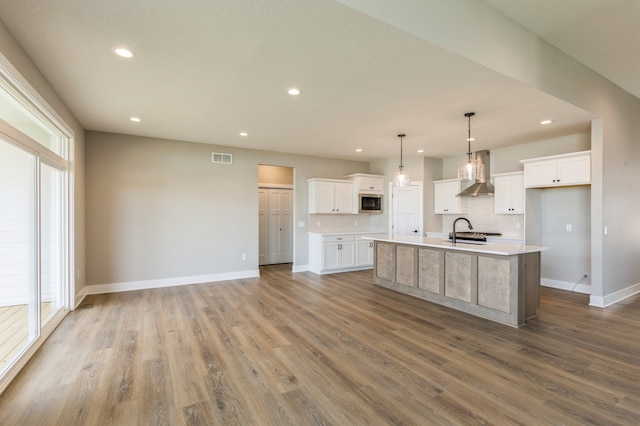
column 483, row 185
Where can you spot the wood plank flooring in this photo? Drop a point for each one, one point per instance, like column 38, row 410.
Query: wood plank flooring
column 301, row 349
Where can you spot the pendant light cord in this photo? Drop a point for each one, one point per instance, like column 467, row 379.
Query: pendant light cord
column 468, row 115
column 401, row 135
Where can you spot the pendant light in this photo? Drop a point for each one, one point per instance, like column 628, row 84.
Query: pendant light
column 401, row 178
column 469, row 170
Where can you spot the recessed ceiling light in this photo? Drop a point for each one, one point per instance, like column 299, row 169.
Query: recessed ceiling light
column 123, row 52
column 358, row 149
column 135, row 119
column 543, row 122
column 244, row 134
column 420, row 151
column 294, row 92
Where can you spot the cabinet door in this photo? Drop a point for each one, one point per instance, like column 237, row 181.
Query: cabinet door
column 576, row 170
column 346, row 254
column 509, row 194
column 344, row 200
column 364, row 253
column 376, row 184
column 370, row 184
column 446, row 201
column 540, row 174
column 502, row 194
column 517, row 194
column 324, row 197
column 330, row 255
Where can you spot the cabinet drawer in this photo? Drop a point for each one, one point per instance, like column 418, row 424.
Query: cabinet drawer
column 337, row 238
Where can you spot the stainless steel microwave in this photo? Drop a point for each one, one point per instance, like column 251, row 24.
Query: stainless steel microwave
column 369, row 203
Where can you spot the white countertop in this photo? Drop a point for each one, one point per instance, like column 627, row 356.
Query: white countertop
column 489, row 248
column 346, row 232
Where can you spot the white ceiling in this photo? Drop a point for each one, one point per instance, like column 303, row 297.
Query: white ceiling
column 206, row 70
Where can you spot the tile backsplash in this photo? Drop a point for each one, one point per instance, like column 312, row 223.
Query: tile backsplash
column 343, row 222
column 480, row 212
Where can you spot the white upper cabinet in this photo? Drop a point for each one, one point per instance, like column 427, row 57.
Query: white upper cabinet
column 508, row 196
column 367, row 184
column 558, row 170
column 445, row 194
column 331, row 196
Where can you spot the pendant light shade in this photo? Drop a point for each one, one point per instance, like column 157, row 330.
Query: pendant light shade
column 401, row 178
column 470, row 170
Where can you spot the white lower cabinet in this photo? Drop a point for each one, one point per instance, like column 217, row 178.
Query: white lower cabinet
column 364, row 252
column 339, row 253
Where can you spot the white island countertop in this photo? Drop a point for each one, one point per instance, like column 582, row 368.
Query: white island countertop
column 488, row 248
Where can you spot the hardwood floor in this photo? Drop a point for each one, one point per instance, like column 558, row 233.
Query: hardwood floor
column 301, row 349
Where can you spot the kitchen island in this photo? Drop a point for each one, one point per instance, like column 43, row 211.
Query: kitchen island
column 499, row 282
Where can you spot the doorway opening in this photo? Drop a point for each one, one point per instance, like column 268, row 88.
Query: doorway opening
column 275, row 214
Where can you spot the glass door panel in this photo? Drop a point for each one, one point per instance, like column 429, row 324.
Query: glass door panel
column 51, row 242
column 18, row 307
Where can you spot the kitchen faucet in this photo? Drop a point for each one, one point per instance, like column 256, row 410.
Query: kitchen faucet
column 453, row 234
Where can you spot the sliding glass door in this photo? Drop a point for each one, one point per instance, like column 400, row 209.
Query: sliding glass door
column 18, row 308
column 51, row 241
column 35, row 282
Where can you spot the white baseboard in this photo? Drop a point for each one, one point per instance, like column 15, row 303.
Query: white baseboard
column 566, row 285
column 169, row 282
column 615, row 297
column 80, row 297
column 300, row 268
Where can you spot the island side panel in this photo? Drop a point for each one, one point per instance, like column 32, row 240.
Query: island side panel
column 385, row 261
column 458, row 276
column 406, row 265
column 494, row 283
column 430, row 271
column 532, row 285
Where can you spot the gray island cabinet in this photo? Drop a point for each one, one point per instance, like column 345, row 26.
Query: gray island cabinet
column 499, row 282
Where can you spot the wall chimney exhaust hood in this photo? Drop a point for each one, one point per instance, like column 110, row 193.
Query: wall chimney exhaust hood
column 482, row 185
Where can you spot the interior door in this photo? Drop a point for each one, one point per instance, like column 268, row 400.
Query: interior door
column 406, row 210
column 280, row 225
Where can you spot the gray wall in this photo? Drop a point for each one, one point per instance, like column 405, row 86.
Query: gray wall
column 160, row 208
column 15, row 60
column 569, row 260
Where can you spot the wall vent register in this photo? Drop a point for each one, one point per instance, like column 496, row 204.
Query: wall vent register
column 217, row 157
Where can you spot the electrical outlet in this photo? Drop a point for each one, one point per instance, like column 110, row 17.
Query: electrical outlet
column 301, row 224
column 355, row 223
column 244, row 256
column 569, row 227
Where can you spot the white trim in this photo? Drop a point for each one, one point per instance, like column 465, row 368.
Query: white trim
column 615, row 297
column 566, row 285
column 79, row 297
column 169, row 282
column 300, row 268
column 274, row 186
